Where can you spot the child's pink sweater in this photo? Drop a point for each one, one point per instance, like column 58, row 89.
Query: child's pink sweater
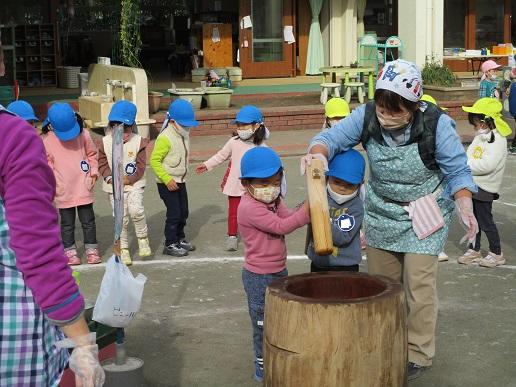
column 234, row 149
column 263, row 228
column 74, row 163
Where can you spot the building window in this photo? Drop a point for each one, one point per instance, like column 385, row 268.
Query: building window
column 379, row 17
column 454, row 16
column 489, row 23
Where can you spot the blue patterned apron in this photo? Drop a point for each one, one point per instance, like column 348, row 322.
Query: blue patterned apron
column 398, row 175
column 28, row 356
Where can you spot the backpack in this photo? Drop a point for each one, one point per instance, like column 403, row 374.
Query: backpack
column 424, row 127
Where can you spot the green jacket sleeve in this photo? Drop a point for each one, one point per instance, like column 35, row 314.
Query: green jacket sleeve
column 160, row 151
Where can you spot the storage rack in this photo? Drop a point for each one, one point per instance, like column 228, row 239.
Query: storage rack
column 36, row 59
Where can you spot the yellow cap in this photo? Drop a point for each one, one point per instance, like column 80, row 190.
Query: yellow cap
column 429, row 98
column 336, row 107
column 490, row 107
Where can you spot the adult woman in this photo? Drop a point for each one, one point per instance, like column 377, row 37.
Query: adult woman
column 37, row 290
column 416, row 161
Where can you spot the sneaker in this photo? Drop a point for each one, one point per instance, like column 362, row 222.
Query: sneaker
column 126, row 257
column 512, row 150
column 258, row 371
column 175, row 250
column 470, row 257
column 93, row 257
column 144, row 249
column 492, row 260
column 186, row 245
column 231, row 243
column 414, row 370
column 442, row 257
column 73, row 258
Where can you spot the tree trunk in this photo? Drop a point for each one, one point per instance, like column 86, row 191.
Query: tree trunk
column 335, row 329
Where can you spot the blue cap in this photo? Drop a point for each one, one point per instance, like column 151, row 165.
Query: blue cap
column 248, row 114
column 23, row 110
column 64, row 123
column 123, row 111
column 182, row 112
column 259, row 163
column 348, row 166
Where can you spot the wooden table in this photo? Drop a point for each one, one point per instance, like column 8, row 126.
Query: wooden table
column 346, row 72
column 474, row 59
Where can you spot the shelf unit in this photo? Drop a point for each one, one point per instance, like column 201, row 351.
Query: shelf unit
column 7, row 39
column 36, row 55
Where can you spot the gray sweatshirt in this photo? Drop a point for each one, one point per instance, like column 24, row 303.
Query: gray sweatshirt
column 346, row 221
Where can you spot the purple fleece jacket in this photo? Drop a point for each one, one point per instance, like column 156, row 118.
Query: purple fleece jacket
column 27, row 187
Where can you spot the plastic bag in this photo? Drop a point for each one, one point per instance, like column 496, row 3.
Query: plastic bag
column 120, row 295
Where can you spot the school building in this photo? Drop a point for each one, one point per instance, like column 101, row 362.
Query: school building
column 265, row 38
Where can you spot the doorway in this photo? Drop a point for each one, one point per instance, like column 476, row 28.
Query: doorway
column 263, row 50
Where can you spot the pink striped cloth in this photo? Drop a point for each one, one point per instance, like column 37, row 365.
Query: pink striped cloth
column 426, row 216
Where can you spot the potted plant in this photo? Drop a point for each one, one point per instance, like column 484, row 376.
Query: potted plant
column 154, row 101
column 437, row 74
column 440, row 81
column 354, row 65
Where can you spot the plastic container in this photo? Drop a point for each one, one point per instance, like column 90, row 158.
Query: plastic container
column 194, row 96
column 83, row 83
column 199, row 74
column 218, row 97
column 154, row 101
column 235, row 74
column 68, row 76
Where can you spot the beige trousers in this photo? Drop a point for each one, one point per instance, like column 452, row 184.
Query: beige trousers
column 133, row 208
column 418, row 274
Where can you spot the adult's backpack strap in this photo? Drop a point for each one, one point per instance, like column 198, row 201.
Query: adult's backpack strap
column 371, row 126
column 424, row 133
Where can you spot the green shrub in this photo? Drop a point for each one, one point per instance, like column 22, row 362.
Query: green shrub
column 437, row 74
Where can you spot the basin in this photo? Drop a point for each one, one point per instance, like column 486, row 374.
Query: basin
column 194, row 96
column 218, row 97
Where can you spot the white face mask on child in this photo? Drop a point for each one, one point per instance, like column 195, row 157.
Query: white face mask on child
column 339, row 198
column 266, row 194
column 245, row 134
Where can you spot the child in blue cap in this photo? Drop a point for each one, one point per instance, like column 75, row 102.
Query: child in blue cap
column 345, row 176
column 72, row 155
column 24, row 110
column 169, row 160
column 134, row 161
column 264, row 220
column 251, row 132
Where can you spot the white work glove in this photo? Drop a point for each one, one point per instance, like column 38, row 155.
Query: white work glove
column 464, row 206
column 307, row 160
column 84, row 361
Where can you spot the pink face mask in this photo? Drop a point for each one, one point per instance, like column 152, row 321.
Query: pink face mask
column 389, row 122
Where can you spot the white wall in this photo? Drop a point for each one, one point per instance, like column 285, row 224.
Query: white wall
column 420, row 28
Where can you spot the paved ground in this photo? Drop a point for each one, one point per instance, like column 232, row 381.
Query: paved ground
column 194, row 330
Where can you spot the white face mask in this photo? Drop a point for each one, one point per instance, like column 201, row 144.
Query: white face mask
column 266, row 194
column 339, row 198
column 245, row 134
column 393, row 122
column 483, row 131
